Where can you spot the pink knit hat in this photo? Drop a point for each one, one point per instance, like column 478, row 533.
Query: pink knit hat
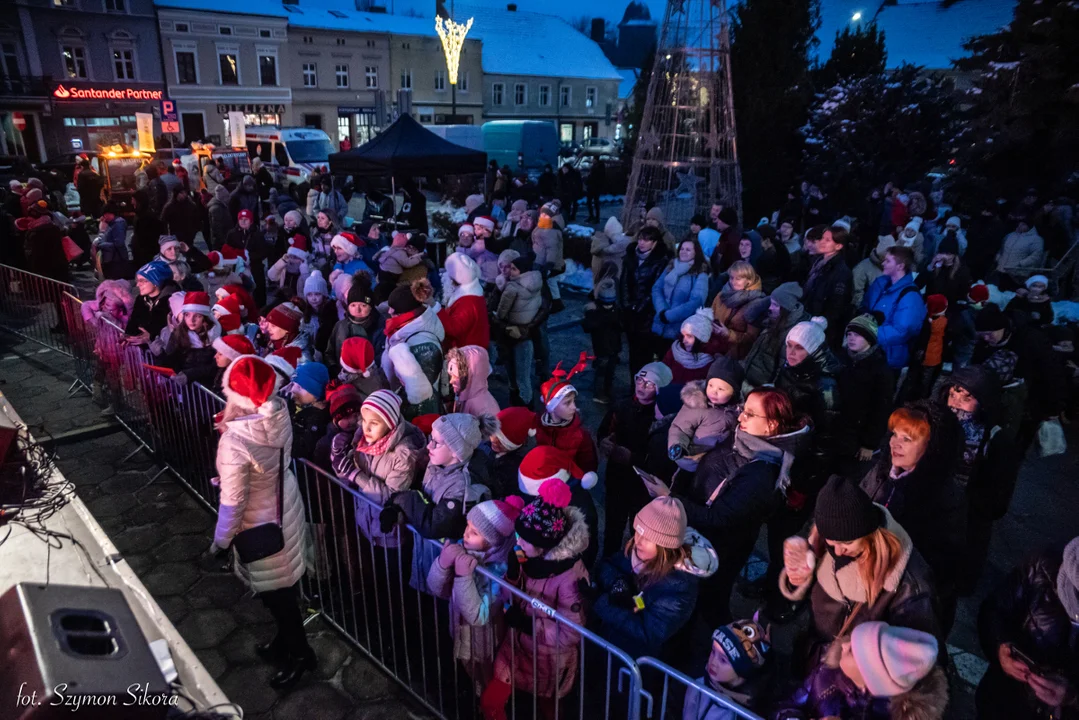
column 494, row 519
column 662, row 521
column 892, row 659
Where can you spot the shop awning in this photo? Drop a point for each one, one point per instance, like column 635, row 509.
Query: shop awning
column 408, row 149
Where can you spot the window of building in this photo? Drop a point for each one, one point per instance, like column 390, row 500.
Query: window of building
column 462, row 81
column 9, row 59
column 341, row 75
column 228, row 64
column 265, row 33
column 520, row 94
column 75, row 62
column 370, row 43
column 312, row 120
column 224, row 30
column 116, row 6
column 406, row 79
column 565, row 96
column 267, row 67
column 589, row 130
column 310, row 75
column 340, row 41
column 123, row 64
column 63, row 3
column 343, row 130
column 308, row 40
column 545, row 95
column 590, row 97
column 440, row 80
column 183, row 27
column 186, row 67
column 370, row 77
column 406, row 46
column 497, row 90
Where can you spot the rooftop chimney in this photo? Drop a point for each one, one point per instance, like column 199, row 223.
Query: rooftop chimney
column 512, row 7
column 599, row 30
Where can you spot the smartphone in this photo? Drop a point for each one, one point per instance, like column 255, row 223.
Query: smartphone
column 1026, row 660
column 649, row 478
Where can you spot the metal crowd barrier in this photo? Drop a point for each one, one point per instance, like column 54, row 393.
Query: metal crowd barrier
column 31, row 306
column 671, row 704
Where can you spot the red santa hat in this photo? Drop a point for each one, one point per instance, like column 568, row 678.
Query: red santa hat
column 552, row 391
column 197, row 302
column 250, row 382
column 248, row 309
column 298, row 246
column 348, row 242
column 488, row 223
column 230, row 324
column 357, row 356
column 936, row 305
column 287, row 317
column 515, row 427
column 228, row 252
column 234, row 346
column 547, row 462
column 228, row 305
column 285, row 360
column 215, row 258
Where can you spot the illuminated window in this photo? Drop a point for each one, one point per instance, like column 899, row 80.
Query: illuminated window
column 75, row 62
column 123, row 64
column 228, row 63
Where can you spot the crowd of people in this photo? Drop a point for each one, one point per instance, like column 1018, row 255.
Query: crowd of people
column 846, row 387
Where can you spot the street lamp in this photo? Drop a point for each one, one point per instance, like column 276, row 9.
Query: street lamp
column 452, row 35
column 856, row 16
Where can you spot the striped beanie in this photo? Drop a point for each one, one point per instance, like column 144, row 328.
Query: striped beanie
column 494, row 519
column 386, row 405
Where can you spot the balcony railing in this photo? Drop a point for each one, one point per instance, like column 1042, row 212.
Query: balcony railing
column 35, row 86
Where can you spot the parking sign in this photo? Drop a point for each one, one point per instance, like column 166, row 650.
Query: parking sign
column 170, row 119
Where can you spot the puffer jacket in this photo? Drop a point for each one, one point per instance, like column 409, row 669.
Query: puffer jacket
column 151, row 313
column 475, row 399
column 635, row 287
column 112, row 244
column 698, row 427
column 908, row 598
column 221, row 220
column 249, row 465
column 379, row 476
column 668, row 603
column 903, row 311
column 1021, row 251
column 749, row 695
column 827, row 692
column 448, row 492
column 547, row 244
column 740, row 313
column 521, row 299
column 767, row 353
column 675, row 304
column 550, row 651
column 573, row 439
column 813, row 387
column 413, row 361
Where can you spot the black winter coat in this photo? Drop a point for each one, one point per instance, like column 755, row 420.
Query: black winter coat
column 1041, row 367
column 813, row 386
column 502, row 470
column 309, row 424
column 942, row 282
column 182, row 219
column 603, row 324
column 635, row 287
column 774, row 267
column 866, row 389
column 151, row 314
column 44, row 251
column 827, row 293
column 144, row 241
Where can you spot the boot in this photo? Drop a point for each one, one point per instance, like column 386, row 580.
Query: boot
column 293, row 670
column 272, row 652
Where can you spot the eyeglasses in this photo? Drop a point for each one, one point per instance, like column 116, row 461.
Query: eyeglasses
column 751, row 415
column 434, row 443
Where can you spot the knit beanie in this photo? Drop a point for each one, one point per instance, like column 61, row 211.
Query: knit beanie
column 506, row 257
column 361, row 290
column 312, row 377
column 892, row 659
column 1068, row 580
column 157, row 272
column 663, row 522
column 494, row 519
column 287, row 317
column 357, row 356
column 936, row 304
column 544, row 521
column 464, row 432
column 315, row 283
column 525, row 262
column 606, row 292
column 844, row 512
column 656, row 373
column 787, row 296
column 809, row 334
column 345, row 400
column 699, row 324
column 728, row 216
column 402, row 300
column 978, row 293
column 990, row 319
column 233, row 346
column 386, row 405
column 292, row 218
column 729, row 371
column 515, row 427
column 746, row 648
column 1036, row 279
column 866, row 326
column 546, row 462
column 949, row 245
column 955, row 222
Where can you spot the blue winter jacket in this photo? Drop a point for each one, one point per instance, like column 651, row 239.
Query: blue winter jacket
column 353, row 266
column 690, row 293
column 903, row 316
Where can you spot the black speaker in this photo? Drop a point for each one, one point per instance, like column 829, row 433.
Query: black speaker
column 71, row 651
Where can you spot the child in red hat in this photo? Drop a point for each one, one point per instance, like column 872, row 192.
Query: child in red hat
column 559, row 424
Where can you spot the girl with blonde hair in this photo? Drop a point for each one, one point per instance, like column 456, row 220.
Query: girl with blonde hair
column 739, row 308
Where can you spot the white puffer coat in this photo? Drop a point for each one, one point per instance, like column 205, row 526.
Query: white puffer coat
column 248, row 464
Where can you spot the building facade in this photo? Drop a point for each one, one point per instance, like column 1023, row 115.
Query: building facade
column 221, row 62
column 77, row 72
column 417, row 63
column 580, row 108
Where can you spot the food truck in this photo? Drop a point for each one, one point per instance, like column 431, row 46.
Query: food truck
column 236, row 162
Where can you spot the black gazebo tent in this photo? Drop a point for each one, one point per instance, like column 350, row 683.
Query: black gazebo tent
column 407, row 149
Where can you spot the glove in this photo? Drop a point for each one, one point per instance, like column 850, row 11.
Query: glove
column 675, row 452
column 449, row 555
column 516, row 618
column 388, row 518
column 622, row 593
column 464, row 565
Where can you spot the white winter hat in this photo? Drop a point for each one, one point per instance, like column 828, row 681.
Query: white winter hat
column 462, row 269
column 954, row 221
column 1037, row 279
column 842, row 222
column 315, row 283
column 915, row 224
column 699, row 324
column 809, row 334
column 892, row 659
column 613, row 227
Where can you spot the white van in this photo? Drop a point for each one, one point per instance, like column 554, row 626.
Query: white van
column 291, row 154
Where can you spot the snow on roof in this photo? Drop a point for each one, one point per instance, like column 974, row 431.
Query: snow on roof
column 920, row 32
column 629, row 80
column 342, row 15
column 235, row 7
column 527, row 43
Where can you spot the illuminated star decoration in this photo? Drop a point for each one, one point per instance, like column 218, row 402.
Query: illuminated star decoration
column 711, row 141
column 687, row 183
column 649, row 141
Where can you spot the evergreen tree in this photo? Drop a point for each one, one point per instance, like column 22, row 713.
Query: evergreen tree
column 895, row 125
column 856, row 54
column 770, row 45
column 1024, row 103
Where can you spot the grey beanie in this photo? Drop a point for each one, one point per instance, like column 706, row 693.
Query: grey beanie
column 1068, row 580
column 787, row 295
column 464, row 432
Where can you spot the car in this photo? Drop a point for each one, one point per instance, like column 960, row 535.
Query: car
column 599, row 146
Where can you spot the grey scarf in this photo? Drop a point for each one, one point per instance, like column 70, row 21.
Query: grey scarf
column 753, row 448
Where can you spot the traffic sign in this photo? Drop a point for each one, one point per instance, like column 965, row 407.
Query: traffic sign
column 170, row 119
column 18, row 120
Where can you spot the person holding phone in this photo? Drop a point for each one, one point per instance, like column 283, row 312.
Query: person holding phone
column 1028, row 628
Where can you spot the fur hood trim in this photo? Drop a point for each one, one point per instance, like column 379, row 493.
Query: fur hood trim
column 925, row 701
column 576, row 540
column 694, row 395
column 846, row 584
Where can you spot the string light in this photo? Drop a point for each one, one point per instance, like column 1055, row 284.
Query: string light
column 452, row 35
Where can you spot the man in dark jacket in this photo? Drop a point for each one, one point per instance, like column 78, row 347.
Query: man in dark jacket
column 246, row 197
column 221, row 219
column 546, row 184
column 984, row 238
column 1027, row 627
column 645, row 261
column 827, row 289
column 866, row 389
column 89, row 185
column 156, row 191
column 181, row 217
column 569, row 190
column 597, row 181
column 148, row 229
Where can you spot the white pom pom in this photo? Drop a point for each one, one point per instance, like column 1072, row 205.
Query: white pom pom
column 589, row 480
column 531, row 432
column 823, row 322
column 706, row 312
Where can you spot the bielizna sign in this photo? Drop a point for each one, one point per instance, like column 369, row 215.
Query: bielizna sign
column 71, row 93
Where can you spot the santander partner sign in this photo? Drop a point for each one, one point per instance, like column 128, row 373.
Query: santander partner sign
column 71, row 93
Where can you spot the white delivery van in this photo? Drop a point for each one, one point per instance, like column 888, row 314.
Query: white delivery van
column 291, row 154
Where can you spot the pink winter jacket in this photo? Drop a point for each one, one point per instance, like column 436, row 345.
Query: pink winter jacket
column 476, row 399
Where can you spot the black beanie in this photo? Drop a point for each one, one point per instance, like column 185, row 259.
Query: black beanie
column 729, row 371
column 949, row 245
column 844, row 512
column 361, row 292
column 418, row 241
column 990, row 319
column 402, row 300
column 525, row 262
